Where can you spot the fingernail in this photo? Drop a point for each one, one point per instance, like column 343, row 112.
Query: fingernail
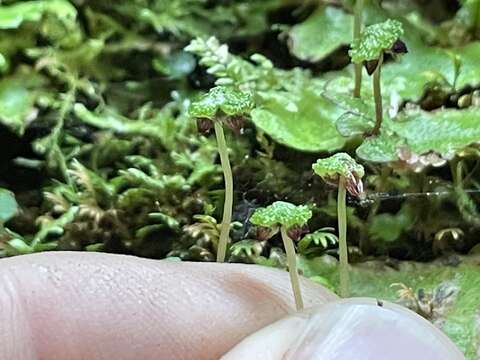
column 271, row 342
column 364, row 329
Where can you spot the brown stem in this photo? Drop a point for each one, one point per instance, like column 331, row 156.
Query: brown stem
column 357, row 28
column 377, row 95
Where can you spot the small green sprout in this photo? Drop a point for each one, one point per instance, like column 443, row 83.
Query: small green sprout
column 287, row 217
column 370, row 48
column 340, row 169
column 321, row 238
column 247, row 249
column 222, row 105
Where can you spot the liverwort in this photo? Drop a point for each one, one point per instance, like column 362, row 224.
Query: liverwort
column 287, row 218
column 222, row 106
column 341, row 170
column 370, row 49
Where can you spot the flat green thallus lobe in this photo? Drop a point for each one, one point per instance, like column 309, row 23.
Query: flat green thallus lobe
column 341, row 164
column 374, row 40
column 281, row 213
column 225, row 99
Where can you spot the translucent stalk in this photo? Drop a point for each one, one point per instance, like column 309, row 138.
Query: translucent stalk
column 228, row 204
column 357, row 28
column 342, row 235
column 292, row 268
column 377, row 95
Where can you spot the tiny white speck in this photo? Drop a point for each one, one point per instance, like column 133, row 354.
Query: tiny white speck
column 291, row 107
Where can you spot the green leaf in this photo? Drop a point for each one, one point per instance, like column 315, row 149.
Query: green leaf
column 301, row 120
column 160, row 128
column 358, row 117
column 54, row 227
column 389, row 227
column 381, row 148
column 374, row 40
column 91, row 182
column 16, row 104
column 432, row 66
column 166, row 183
column 201, row 163
column 364, row 107
column 8, row 205
column 165, row 219
column 281, row 213
column 228, row 100
column 319, row 238
column 247, row 248
column 335, row 27
column 337, row 165
column 442, row 131
column 95, row 247
column 19, row 247
column 469, row 14
column 350, row 124
column 48, row 246
column 445, row 132
column 12, row 16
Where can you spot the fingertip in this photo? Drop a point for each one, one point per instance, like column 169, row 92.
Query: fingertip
column 349, row 329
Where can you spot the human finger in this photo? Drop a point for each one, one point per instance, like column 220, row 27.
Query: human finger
column 66, row 305
column 356, row 328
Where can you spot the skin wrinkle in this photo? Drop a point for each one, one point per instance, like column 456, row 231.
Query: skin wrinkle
column 211, row 295
column 235, row 283
column 244, row 286
column 257, row 288
column 20, row 345
column 98, row 306
column 282, row 296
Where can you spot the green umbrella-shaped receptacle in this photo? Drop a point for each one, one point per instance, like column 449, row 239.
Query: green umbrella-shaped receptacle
column 342, row 170
column 222, row 105
column 285, row 216
column 369, row 49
